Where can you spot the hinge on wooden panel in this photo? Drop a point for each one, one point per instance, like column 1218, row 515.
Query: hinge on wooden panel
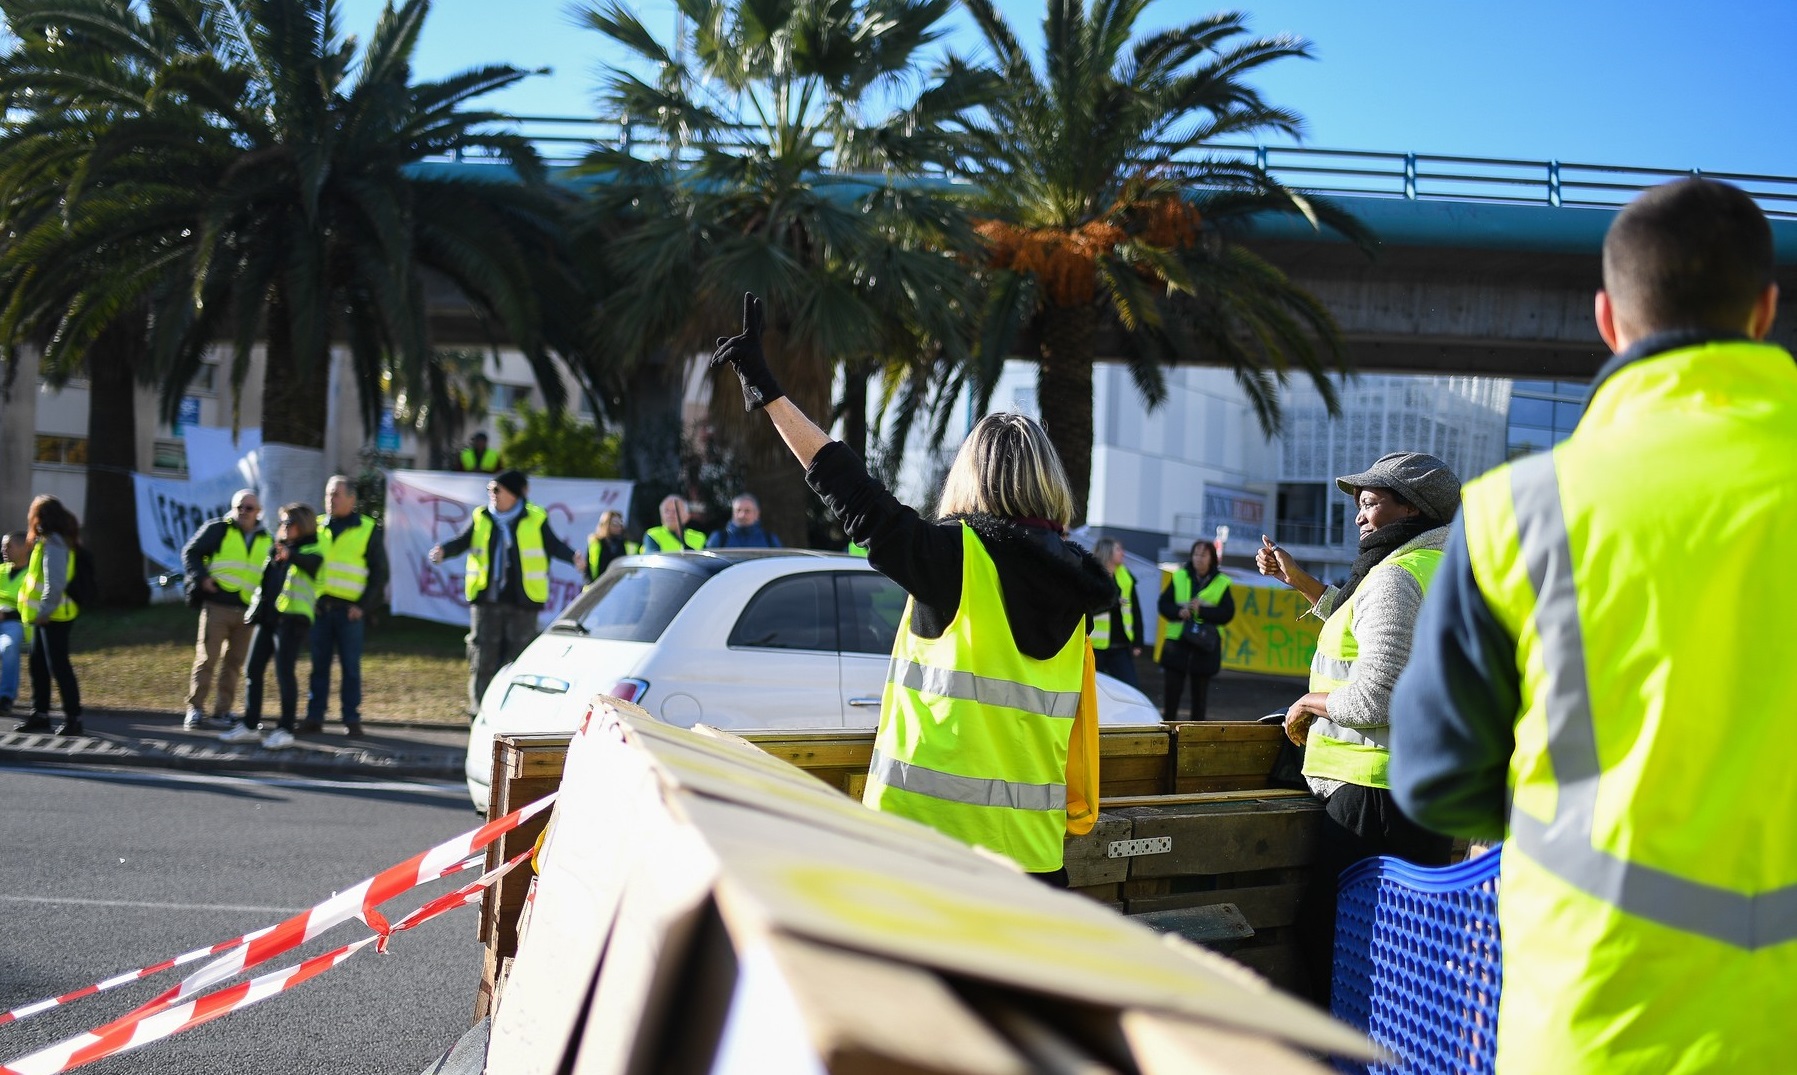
column 1153, row 845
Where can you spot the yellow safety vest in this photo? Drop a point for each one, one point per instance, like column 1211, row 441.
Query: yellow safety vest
column 1361, row 754
column 1101, row 623
column 345, row 571
column 488, row 461
column 973, row 736
column 532, row 560
column 236, row 566
column 630, row 549
column 33, row 584
column 1648, row 900
column 859, row 551
column 299, row 592
column 1182, row 592
column 12, row 579
column 661, row 539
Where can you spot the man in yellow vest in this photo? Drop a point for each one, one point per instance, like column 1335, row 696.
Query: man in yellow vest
column 477, row 458
column 1117, row 634
column 1600, row 671
column 15, row 553
column 509, row 543
column 673, row 534
column 351, row 582
column 223, row 563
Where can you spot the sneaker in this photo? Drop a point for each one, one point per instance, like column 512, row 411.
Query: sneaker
column 5, row 708
column 36, row 722
column 194, row 719
column 71, row 727
column 223, row 721
column 278, row 739
column 240, row 734
column 354, row 731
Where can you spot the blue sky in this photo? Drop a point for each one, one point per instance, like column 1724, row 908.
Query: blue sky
column 1647, row 83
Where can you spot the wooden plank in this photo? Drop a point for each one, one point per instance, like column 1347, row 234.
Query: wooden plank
column 1121, row 802
column 840, row 992
column 1087, row 857
column 1210, row 925
column 1229, row 837
column 1153, row 886
column 1226, row 759
column 1279, row 963
column 834, row 753
column 1226, row 731
column 1264, row 906
column 1133, row 743
column 1110, row 895
column 1163, row 1044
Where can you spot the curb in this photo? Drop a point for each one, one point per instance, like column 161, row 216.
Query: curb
column 108, row 749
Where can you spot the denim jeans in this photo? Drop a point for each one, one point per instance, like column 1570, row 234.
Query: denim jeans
column 12, row 648
column 334, row 632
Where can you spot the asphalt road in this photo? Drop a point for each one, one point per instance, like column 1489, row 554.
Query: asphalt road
column 103, row 872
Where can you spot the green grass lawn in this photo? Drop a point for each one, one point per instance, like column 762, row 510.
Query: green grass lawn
column 412, row 670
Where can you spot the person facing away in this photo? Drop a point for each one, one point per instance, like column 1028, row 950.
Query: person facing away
column 605, row 544
column 281, row 610
column 1403, row 504
column 222, row 562
column 477, row 458
column 744, row 530
column 350, row 583
column 673, row 534
column 509, row 543
column 988, row 724
column 1117, row 633
column 1195, row 603
column 49, row 612
column 15, row 556
column 1597, row 669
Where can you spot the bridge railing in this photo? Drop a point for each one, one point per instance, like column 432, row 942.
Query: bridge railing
column 1350, row 172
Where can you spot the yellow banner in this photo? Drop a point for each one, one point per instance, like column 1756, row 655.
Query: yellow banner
column 1267, row 636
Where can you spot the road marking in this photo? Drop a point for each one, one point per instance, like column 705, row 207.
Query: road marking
column 152, row 905
column 419, row 787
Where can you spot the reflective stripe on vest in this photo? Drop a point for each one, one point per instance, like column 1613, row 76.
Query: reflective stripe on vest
column 1182, row 593
column 527, row 532
column 299, row 591
column 345, row 571
column 661, row 539
column 973, row 734
column 33, row 585
column 1362, row 754
column 236, row 566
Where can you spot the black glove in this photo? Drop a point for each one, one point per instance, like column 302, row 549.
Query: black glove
column 743, row 353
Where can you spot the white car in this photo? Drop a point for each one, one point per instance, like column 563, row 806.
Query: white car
column 740, row 639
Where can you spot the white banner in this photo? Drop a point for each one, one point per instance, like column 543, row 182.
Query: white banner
column 429, row 507
column 210, row 449
column 170, row 511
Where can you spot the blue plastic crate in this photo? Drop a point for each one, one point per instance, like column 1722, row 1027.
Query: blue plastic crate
column 1419, row 964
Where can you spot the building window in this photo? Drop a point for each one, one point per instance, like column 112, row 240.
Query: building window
column 505, row 397
column 205, row 379
column 61, row 451
column 1542, row 414
column 1304, row 518
column 169, row 455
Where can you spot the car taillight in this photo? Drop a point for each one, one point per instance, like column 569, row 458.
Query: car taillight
column 630, row 690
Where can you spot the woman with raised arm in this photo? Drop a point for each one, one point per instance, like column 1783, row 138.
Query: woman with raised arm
column 988, row 722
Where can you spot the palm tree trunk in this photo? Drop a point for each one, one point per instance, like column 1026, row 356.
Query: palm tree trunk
column 854, row 407
column 109, row 519
column 295, row 393
column 650, row 441
column 1064, row 392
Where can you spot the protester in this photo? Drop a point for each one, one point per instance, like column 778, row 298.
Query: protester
column 15, row 555
column 988, row 725
column 477, row 458
column 673, row 534
column 605, row 544
column 1117, row 633
column 281, row 610
column 350, row 584
column 1195, row 603
column 509, row 543
column 1600, row 673
column 1404, row 503
column 743, row 531
column 49, row 610
column 222, row 562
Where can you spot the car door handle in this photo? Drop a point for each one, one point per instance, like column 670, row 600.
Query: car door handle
column 864, row 701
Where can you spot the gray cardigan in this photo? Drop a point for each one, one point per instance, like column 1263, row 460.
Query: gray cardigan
column 1385, row 611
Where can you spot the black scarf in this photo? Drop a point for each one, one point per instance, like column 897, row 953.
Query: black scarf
column 1379, row 544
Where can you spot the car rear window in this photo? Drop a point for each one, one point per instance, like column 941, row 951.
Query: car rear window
column 630, row 604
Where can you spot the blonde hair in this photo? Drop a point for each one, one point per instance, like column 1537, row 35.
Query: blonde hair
column 606, row 517
column 1008, row 468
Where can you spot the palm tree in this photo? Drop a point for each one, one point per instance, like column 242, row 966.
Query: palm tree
column 780, row 176
column 1103, row 211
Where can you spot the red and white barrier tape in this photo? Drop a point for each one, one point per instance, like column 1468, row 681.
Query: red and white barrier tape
column 173, row 1011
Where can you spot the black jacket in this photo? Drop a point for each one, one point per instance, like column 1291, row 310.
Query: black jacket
column 206, row 542
column 1050, row 584
column 511, row 591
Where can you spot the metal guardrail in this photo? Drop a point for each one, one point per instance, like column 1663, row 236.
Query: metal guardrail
column 1342, row 172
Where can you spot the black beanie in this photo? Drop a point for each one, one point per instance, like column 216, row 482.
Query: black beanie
column 512, row 481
